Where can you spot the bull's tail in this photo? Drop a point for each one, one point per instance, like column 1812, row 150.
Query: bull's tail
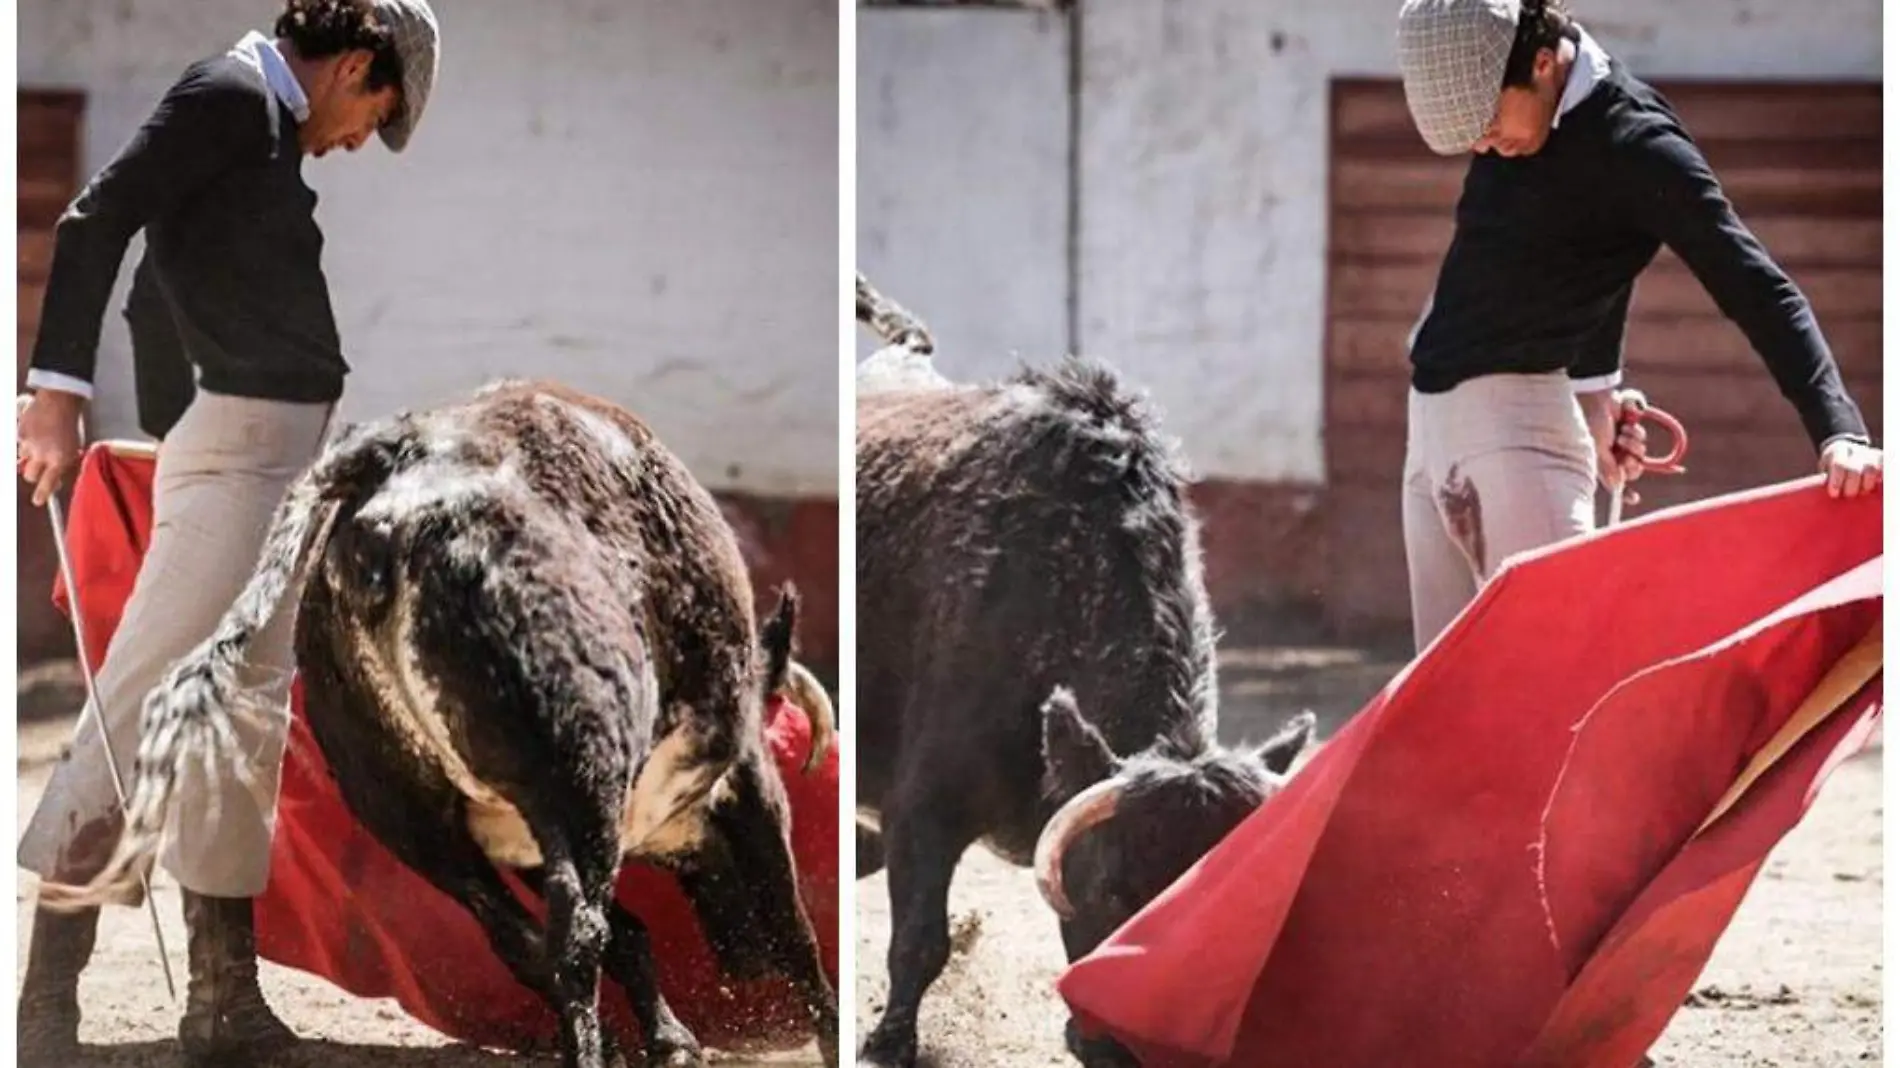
column 191, row 716
column 891, row 322
column 787, row 677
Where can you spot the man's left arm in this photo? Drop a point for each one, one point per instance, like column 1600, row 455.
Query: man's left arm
column 1675, row 195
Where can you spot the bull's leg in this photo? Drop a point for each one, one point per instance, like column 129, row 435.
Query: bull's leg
column 407, row 805
column 925, row 837
column 577, row 890
column 629, row 961
column 446, row 855
column 457, row 867
column 757, row 826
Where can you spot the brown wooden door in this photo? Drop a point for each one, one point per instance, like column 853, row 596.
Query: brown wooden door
column 1802, row 165
column 49, row 177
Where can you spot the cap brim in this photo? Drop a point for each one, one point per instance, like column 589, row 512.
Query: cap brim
column 1453, row 143
column 395, row 133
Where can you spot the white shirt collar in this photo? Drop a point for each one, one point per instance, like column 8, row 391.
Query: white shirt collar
column 261, row 52
column 1591, row 66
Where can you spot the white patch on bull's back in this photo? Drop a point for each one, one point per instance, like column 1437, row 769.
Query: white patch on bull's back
column 612, row 440
column 438, row 484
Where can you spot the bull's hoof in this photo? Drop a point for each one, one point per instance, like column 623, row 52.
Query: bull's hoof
column 889, row 1053
column 675, row 1049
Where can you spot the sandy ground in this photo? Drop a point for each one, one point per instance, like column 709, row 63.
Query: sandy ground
column 1795, row 983
column 129, row 1022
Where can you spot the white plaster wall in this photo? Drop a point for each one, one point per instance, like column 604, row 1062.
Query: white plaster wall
column 1203, row 182
column 963, row 179
column 633, row 196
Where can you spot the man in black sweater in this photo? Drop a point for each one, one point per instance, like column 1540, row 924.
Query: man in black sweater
column 231, row 288
column 1581, row 174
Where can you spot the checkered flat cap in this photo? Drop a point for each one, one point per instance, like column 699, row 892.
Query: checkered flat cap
column 1452, row 55
column 417, row 41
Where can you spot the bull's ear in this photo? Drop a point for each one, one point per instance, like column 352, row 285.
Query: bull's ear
column 1074, row 755
column 1277, row 752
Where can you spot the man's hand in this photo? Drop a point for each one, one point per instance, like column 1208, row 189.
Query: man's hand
column 1621, row 442
column 49, row 441
column 1851, row 468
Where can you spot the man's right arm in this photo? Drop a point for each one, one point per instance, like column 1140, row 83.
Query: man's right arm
column 202, row 126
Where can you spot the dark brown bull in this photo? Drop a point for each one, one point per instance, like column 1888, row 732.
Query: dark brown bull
column 527, row 641
column 1036, row 663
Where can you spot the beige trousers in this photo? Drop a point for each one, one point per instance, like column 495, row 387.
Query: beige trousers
column 1499, row 465
column 220, row 476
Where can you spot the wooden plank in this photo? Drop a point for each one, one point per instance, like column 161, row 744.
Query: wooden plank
column 1794, row 240
column 1360, row 344
column 1367, row 404
column 35, row 255
column 1670, row 289
column 42, row 202
column 45, row 140
column 1430, row 184
column 48, row 167
column 1710, row 110
column 48, row 125
column 30, row 298
column 1368, row 587
column 1667, row 288
column 1709, row 344
column 1717, row 403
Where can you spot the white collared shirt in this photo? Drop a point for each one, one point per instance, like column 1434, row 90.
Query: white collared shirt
column 1591, row 66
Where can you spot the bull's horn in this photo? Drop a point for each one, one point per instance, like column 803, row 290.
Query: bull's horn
column 803, row 689
column 890, row 321
column 1083, row 812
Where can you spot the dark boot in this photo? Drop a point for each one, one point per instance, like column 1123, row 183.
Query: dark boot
column 226, row 1020
column 49, row 996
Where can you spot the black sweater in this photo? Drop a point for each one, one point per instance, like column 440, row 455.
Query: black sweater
column 1547, row 249
column 214, row 177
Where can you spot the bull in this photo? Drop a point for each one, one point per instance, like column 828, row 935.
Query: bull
column 1036, row 659
column 527, row 641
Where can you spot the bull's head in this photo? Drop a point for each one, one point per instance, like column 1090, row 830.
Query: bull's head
column 1134, row 825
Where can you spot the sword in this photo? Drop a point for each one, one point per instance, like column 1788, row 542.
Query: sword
column 55, row 514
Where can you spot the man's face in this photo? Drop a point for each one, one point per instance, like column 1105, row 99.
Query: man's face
column 344, row 113
column 1522, row 123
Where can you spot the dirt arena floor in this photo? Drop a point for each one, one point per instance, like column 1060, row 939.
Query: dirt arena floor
column 129, row 1022
column 1795, row 983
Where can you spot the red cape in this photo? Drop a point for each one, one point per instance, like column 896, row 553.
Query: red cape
column 1497, row 862
column 340, row 907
